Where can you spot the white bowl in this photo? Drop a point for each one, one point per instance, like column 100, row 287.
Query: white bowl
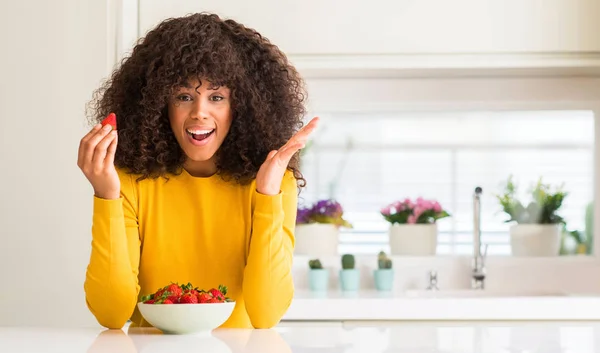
column 186, row 318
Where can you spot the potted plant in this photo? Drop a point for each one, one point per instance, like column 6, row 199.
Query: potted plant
column 318, row 277
column 318, row 228
column 413, row 226
column 349, row 275
column 537, row 228
column 384, row 274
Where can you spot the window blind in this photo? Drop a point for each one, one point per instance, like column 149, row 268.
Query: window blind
column 366, row 161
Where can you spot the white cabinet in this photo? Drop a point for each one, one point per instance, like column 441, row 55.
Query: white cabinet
column 414, row 37
column 331, row 27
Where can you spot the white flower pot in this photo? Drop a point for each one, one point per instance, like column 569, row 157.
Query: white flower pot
column 535, row 239
column 413, row 239
column 317, row 239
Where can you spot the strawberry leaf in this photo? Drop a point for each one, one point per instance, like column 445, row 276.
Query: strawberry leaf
column 147, row 297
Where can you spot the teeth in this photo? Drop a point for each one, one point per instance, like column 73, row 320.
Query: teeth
column 199, row 132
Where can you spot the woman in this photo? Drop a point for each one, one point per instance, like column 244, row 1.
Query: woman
column 200, row 183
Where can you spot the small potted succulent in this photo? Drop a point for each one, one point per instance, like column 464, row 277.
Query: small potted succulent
column 537, row 228
column 384, row 274
column 349, row 275
column 318, row 277
column 318, row 227
column 413, row 226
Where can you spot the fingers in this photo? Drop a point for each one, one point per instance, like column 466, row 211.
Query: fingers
column 302, row 135
column 271, row 154
column 101, row 151
column 110, row 153
column 89, row 146
column 286, row 153
column 297, row 142
column 83, row 143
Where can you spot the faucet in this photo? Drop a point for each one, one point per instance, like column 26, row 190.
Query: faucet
column 432, row 281
column 478, row 270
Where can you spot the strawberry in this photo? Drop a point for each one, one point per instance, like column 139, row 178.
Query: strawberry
column 174, row 289
column 167, row 301
column 173, row 298
column 188, row 298
column 216, row 294
column 215, row 300
column 149, row 301
column 159, row 293
column 192, row 292
column 111, row 120
column 204, row 298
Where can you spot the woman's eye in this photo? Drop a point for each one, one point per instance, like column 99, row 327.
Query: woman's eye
column 184, row 98
column 216, row 98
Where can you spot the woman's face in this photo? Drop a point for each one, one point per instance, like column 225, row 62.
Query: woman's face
column 200, row 118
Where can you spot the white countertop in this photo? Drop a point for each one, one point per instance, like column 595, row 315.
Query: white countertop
column 465, row 337
column 442, row 305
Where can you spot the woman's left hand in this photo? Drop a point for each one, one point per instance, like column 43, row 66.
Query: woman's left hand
column 271, row 172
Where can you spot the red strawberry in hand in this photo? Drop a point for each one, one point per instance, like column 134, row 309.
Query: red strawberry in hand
column 111, row 120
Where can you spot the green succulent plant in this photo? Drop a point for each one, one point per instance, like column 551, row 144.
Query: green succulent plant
column 348, row 262
column 541, row 209
column 315, row 264
column 383, row 261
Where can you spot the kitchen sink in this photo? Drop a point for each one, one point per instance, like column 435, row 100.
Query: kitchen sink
column 472, row 293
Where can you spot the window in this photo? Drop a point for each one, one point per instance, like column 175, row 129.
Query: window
column 366, row 161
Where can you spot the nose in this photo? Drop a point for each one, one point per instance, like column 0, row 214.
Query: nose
column 201, row 109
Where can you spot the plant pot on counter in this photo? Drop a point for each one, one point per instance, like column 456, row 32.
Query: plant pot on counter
column 316, row 239
column 349, row 280
column 535, row 239
column 384, row 279
column 318, row 280
column 413, row 239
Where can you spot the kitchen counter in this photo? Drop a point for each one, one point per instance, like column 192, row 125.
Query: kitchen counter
column 454, row 305
column 547, row 337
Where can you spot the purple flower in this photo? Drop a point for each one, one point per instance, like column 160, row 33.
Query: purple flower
column 303, row 215
column 324, row 211
column 328, row 208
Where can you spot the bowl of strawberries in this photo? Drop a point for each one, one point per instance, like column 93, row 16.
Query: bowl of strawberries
column 185, row 309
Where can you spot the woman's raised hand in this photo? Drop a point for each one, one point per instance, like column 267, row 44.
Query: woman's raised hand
column 271, row 172
column 96, row 160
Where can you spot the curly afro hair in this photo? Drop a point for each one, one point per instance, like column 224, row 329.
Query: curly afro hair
column 267, row 96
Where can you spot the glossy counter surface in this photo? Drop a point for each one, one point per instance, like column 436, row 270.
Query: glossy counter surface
column 547, row 337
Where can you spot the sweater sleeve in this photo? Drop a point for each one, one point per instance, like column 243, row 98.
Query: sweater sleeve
column 111, row 281
column 268, row 285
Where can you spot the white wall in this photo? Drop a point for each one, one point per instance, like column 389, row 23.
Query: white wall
column 53, row 55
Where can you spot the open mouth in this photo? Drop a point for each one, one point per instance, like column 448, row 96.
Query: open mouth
column 199, row 135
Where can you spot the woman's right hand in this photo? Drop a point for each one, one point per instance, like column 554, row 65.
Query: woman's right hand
column 96, row 160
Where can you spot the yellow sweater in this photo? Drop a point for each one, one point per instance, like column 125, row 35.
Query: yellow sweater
column 200, row 230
